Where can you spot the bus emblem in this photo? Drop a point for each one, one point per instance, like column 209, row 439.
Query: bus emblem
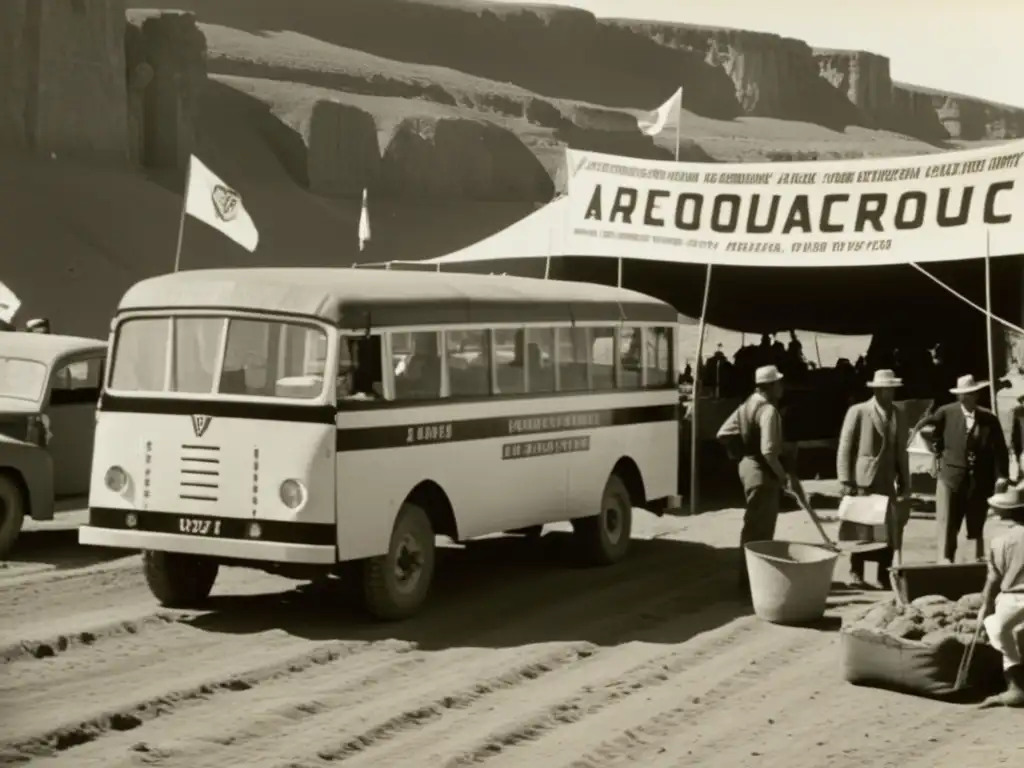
column 200, row 424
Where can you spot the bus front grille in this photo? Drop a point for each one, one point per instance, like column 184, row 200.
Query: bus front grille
column 199, row 473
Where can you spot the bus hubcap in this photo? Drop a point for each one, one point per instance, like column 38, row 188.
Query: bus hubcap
column 408, row 563
column 612, row 522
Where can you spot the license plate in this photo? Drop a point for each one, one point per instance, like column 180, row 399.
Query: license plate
column 199, row 526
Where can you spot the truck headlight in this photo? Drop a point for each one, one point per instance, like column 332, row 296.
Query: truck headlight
column 116, row 479
column 292, row 493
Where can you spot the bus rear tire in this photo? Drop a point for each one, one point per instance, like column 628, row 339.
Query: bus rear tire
column 396, row 585
column 177, row 580
column 604, row 538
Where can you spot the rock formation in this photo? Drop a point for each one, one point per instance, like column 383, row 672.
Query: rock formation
column 62, row 88
column 437, row 159
column 166, row 73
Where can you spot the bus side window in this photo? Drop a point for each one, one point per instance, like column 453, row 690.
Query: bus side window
column 469, row 363
column 360, row 369
column 508, row 357
column 602, row 359
column 540, row 357
column 659, row 357
column 630, row 357
column 573, row 355
column 418, row 373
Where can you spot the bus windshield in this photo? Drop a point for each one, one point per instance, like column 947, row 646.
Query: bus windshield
column 219, row 356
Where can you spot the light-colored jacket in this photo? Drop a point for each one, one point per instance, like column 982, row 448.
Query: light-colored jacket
column 872, row 454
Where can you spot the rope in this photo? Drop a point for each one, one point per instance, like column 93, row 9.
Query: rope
column 934, row 279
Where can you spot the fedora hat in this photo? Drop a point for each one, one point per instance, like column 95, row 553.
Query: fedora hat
column 767, row 374
column 966, row 384
column 884, row 378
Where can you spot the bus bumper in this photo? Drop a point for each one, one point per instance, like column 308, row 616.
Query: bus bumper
column 229, row 549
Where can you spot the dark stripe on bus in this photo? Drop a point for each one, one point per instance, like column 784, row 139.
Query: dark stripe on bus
column 308, row 414
column 515, row 425
column 232, row 528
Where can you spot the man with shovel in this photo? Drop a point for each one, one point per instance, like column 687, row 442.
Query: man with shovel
column 872, row 460
column 752, row 436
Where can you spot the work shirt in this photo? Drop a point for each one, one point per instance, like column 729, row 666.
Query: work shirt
column 968, row 418
column 1006, row 561
column 769, row 423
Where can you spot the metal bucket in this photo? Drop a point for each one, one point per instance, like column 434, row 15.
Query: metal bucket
column 789, row 582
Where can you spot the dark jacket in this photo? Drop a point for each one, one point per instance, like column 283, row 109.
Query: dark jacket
column 949, row 441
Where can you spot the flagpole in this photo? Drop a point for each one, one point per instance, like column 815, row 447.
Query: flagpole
column 696, row 392
column 679, row 120
column 181, row 220
column 988, row 321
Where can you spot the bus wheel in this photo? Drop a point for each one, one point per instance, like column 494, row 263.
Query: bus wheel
column 604, row 538
column 12, row 513
column 177, row 580
column 395, row 585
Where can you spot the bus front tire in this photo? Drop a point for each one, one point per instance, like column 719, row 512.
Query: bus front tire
column 12, row 513
column 177, row 580
column 604, row 538
column 396, row 585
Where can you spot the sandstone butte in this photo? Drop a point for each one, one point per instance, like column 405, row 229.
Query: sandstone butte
column 454, row 114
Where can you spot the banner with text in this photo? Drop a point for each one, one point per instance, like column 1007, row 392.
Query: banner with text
column 938, row 207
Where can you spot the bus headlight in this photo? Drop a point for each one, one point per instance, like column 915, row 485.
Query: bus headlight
column 292, row 493
column 116, row 479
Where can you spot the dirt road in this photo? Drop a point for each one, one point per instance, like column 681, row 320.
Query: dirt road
column 520, row 660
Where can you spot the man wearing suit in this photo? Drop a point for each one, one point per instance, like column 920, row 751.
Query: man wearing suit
column 969, row 443
column 872, row 459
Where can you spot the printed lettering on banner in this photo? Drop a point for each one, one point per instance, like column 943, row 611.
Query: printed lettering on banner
column 937, row 207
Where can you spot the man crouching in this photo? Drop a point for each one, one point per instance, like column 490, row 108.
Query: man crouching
column 1003, row 598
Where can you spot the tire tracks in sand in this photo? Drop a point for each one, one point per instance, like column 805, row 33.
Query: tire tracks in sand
column 444, row 685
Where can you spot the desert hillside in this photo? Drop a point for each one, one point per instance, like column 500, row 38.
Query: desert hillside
column 453, row 114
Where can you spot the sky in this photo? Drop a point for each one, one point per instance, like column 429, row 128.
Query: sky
column 971, row 47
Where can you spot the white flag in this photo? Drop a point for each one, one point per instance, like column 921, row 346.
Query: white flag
column 364, row 223
column 9, row 304
column 665, row 116
column 212, row 201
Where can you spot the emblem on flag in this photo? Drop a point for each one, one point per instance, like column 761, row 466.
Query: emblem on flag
column 225, row 202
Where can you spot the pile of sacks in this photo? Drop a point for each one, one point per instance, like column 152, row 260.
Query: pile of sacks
column 929, row 620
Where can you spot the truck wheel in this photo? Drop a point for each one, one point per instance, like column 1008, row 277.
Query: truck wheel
column 604, row 538
column 12, row 514
column 395, row 585
column 177, row 580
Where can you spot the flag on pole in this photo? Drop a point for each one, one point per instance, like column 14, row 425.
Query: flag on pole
column 665, row 116
column 212, row 201
column 9, row 304
column 364, row 223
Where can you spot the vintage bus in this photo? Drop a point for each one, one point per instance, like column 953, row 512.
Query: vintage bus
column 311, row 420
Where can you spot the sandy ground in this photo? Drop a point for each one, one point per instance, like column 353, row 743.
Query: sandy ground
column 519, row 660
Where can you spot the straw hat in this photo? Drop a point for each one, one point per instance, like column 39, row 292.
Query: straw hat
column 885, row 379
column 966, row 384
column 767, row 374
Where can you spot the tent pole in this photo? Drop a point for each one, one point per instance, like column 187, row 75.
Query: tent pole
column 618, row 281
column 547, row 267
column 696, row 392
column 992, row 388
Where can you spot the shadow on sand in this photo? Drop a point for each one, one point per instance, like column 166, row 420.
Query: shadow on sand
column 60, row 550
column 507, row 592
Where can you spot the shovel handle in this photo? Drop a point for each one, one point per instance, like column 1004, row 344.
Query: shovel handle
column 798, row 494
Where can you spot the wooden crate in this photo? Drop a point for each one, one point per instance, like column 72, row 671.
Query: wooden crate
column 953, row 580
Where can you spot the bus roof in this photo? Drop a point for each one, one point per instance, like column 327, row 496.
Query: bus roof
column 356, row 298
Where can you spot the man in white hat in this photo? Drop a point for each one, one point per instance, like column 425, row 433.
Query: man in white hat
column 1003, row 597
column 752, row 435
column 969, row 444
column 872, row 459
